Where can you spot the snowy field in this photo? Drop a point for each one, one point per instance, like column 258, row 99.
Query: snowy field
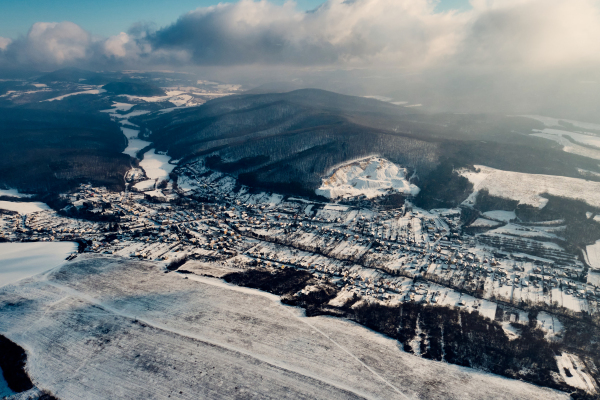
column 484, row 223
column 371, row 176
column 554, row 133
column 23, row 207
column 13, row 193
column 499, row 215
column 22, row 260
column 527, row 188
column 134, row 332
column 593, row 253
column 568, row 146
column 91, row 91
column 550, row 122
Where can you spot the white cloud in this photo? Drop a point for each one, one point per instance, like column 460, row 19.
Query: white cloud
column 114, row 46
column 4, row 42
column 341, row 33
column 54, row 43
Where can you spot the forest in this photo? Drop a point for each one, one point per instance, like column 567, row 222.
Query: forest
column 289, row 141
column 47, row 150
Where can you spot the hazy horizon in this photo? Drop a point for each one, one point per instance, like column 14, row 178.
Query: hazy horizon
column 506, row 56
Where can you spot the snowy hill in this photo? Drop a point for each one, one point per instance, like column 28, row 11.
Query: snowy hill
column 371, row 177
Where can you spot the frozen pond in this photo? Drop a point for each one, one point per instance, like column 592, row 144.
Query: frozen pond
column 22, row 260
column 23, row 207
column 156, row 165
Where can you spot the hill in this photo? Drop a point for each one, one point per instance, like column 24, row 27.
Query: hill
column 290, row 141
column 133, row 89
column 49, row 150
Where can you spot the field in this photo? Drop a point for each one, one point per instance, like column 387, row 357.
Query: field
column 102, row 327
column 528, row 188
column 593, row 253
column 21, row 260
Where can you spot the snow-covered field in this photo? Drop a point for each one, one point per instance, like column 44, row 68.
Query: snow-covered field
column 13, row 193
column 484, row 223
column 499, row 215
column 550, row 121
column 593, row 253
column 568, row 146
column 372, row 176
column 23, row 207
column 21, row 260
column 134, row 332
column 527, row 188
column 554, row 132
column 91, row 91
column 177, row 97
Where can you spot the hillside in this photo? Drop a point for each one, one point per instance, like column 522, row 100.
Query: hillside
column 289, row 141
column 49, row 150
column 133, row 89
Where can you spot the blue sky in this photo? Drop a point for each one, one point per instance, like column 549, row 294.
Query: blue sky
column 108, row 17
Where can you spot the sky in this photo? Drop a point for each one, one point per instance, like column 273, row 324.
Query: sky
column 109, row 17
column 458, row 55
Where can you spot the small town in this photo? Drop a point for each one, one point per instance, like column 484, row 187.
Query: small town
column 381, row 254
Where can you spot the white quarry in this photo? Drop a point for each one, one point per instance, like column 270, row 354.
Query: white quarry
column 371, row 177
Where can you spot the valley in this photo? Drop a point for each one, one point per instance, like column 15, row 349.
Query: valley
column 346, row 226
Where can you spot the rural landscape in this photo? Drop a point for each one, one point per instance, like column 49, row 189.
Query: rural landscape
column 308, row 200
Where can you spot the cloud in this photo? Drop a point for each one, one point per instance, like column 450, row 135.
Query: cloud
column 115, row 45
column 53, row 43
column 356, row 32
column 4, row 42
column 399, row 33
column 532, row 33
column 498, row 53
column 339, row 33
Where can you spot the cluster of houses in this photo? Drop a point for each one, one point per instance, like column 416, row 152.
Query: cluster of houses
column 387, row 255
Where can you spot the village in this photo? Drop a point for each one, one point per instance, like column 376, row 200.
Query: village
column 384, row 255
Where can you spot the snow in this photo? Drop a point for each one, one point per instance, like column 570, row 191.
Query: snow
column 571, row 147
column 13, row 193
column 484, row 223
column 24, row 207
column 550, row 121
column 134, row 332
column 579, row 379
column 498, row 215
column 92, row 91
column 586, row 172
column 156, row 165
column 372, row 176
column 549, row 323
column 177, row 97
column 593, row 253
column 593, row 278
column 527, row 188
column 380, row 98
column 134, row 145
column 587, row 139
column 511, row 331
column 22, row 260
column 119, row 107
column 145, row 185
column 4, row 389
